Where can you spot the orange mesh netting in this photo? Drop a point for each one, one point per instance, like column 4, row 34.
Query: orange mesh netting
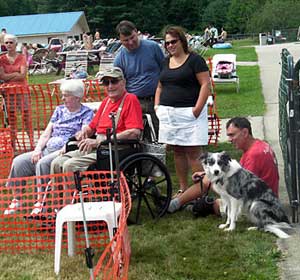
column 29, row 110
column 21, row 231
column 114, row 263
column 6, row 152
column 6, row 149
column 214, row 123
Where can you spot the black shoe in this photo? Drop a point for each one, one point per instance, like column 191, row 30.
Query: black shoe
column 203, row 206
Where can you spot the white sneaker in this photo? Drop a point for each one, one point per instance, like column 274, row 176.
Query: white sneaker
column 37, row 208
column 13, row 207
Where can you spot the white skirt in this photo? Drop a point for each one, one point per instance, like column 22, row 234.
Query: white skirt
column 179, row 126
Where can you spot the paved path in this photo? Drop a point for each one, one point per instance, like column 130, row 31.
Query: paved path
column 269, row 58
column 266, row 127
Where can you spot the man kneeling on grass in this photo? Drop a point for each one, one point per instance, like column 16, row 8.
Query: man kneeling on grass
column 258, row 157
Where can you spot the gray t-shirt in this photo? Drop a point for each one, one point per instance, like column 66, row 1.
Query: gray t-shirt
column 141, row 67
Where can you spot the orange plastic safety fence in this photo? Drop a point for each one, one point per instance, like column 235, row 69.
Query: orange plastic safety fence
column 24, row 231
column 114, row 261
column 214, row 122
column 6, row 152
column 19, row 111
column 29, row 110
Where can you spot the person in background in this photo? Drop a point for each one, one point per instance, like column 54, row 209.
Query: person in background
column 67, row 120
column 87, row 40
column 13, row 71
column 213, row 36
column 180, row 103
column 223, row 36
column 97, row 35
column 3, row 47
column 26, row 53
column 258, row 157
column 206, row 36
column 141, row 61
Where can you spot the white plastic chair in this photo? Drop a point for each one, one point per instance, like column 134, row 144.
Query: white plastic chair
column 107, row 211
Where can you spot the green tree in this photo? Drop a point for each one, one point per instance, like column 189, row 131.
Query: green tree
column 239, row 14
column 148, row 16
column 105, row 15
column 3, row 8
column 183, row 12
column 275, row 14
column 215, row 13
column 42, row 6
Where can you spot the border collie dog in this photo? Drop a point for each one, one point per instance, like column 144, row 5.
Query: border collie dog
column 240, row 189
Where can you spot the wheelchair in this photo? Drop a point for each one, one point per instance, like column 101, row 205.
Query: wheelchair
column 147, row 177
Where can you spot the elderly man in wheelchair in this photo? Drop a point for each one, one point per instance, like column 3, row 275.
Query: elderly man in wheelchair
column 128, row 119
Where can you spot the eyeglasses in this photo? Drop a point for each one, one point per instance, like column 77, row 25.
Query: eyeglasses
column 106, row 82
column 172, row 42
column 9, row 42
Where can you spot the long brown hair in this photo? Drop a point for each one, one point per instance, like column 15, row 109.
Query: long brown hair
column 178, row 32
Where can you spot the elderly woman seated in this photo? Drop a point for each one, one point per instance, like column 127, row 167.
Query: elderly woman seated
column 67, row 120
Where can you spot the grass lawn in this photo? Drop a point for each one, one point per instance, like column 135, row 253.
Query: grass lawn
column 242, row 53
column 178, row 246
column 249, row 101
column 43, row 79
column 182, row 247
column 244, row 50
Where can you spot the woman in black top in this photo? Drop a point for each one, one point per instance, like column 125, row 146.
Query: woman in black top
column 180, row 104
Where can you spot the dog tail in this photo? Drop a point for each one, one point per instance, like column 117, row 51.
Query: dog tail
column 277, row 229
column 282, row 225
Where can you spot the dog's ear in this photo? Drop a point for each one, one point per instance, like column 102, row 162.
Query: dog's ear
column 203, row 157
column 225, row 157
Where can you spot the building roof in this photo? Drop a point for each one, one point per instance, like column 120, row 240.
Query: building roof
column 43, row 23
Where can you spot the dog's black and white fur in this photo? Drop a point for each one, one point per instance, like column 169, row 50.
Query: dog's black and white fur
column 239, row 188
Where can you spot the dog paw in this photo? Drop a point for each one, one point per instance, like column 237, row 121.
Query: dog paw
column 229, row 229
column 222, row 226
column 252, row 228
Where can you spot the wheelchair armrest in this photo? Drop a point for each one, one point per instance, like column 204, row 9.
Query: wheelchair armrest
column 121, row 141
column 71, row 144
column 73, row 138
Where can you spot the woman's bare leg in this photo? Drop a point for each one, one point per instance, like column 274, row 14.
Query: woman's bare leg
column 181, row 166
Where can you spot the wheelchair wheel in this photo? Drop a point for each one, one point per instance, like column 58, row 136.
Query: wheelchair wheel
column 150, row 186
